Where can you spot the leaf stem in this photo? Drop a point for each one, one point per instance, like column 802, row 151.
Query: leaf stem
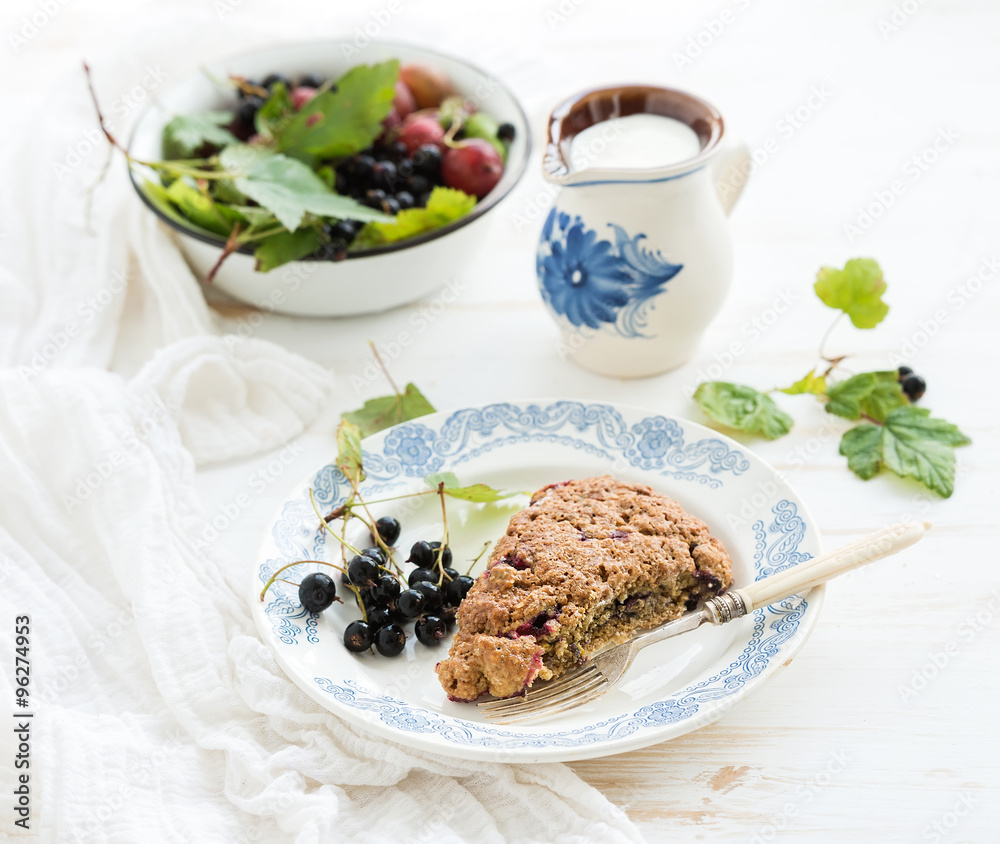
column 385, row 369
column 479, row 556
column 826, row 336
column 325, row 527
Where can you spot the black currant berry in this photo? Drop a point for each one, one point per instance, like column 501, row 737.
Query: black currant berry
column 455, row 591
column 376, row 554
column 358, row 637
column 506, row 132
column 427, row 161
column 362, row 570
column 450, row 575
column 273, row 79
column 430, row 630
column 421, row 554
column 379, row 617
column 903, row 371
column 405, row 199
column 419, row 575
column 310, row 80
column 431, row 593
column 410, row 603
column 386, row 590
column 390, row 640
column 914, row 386
column 388, row 529
column 317, row 591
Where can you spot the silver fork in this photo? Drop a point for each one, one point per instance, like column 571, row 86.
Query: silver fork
column 607, row 666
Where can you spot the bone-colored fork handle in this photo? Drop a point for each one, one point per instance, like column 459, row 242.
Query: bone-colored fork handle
column 804, row 576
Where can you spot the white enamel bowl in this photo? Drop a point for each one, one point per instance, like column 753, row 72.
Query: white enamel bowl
column 368, row 281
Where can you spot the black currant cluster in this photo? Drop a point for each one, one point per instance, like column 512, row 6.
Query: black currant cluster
column 434, row 591
column 250, row 101
column 913, row 385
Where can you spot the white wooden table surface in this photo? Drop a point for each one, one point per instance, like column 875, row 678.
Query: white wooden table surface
column 834, row 746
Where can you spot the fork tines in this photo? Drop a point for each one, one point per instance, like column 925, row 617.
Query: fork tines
column 567, row 692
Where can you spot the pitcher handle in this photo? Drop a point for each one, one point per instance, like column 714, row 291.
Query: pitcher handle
column 732, row 169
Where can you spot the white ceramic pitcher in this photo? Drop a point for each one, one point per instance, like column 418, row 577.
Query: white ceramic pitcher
column 634, row 263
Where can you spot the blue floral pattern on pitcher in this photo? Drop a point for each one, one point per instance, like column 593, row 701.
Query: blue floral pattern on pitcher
column 594, row 282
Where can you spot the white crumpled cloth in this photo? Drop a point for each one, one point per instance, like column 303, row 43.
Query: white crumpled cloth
column 159, row 714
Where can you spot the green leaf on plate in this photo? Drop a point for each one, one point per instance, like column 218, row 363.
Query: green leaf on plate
column 811, row 383
column 856, row 290
column 386, row 411
column 345, row 121
column 282, row 247
column 288, row 188
column 201, row 209
column 875, row 394
column 349, row 451
column 743, row 408
column 186, row 134
column 444, row 206
column 862, row 446
column 479, row 493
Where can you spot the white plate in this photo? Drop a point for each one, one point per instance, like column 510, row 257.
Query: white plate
column 673, row 688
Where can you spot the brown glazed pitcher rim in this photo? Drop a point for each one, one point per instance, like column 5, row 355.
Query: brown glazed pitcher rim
column 598, row 105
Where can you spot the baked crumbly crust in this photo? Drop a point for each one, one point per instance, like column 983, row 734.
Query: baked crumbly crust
column 587, row 563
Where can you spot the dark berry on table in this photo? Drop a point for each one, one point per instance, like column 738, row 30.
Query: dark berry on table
column 431, row 593
column 377, row 554
column 903, row 372
column 362, row 570
column 506, row 132
column 421, row 554
column 317, row 591
column 386, row 590
column 379, row 617
column 450, row 574
column 418, row 185
column 405, row 199
column 427, row 161
column 384, row 175
column 390, row 640
column 374, row 198
column 455, row 591
column 430, row 630
column 311, row 80
column 273, row 79
column 914, row 386
column 358, row 636
column 388, row 529
column 419, row 575
column 367, row 595
column 410, row 603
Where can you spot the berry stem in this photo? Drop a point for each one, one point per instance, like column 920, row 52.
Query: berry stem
column 479, row 556
column 275, row 577
column 385, row 369
column 370, row 524
column 325, row 527
column 444, row 538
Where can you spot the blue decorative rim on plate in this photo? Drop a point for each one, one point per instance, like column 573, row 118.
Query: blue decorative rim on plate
column 712, row 476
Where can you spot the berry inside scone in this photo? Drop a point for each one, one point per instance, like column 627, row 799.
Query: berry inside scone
column 587, row 563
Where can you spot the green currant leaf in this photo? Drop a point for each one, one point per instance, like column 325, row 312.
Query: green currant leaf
column 344, row 121
column 349, row 451
column 157, row 195
column 186, row 134
column 275, row 114
column 743, row 408
column 862, row 446
column 811, row 383
column 282, row 247
column 918, row 446
column 288, row 189
column 873, row 393
column 444, row 206
column 386, row 411
column 479, row 493
column 856, row 290
column 200, row 209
